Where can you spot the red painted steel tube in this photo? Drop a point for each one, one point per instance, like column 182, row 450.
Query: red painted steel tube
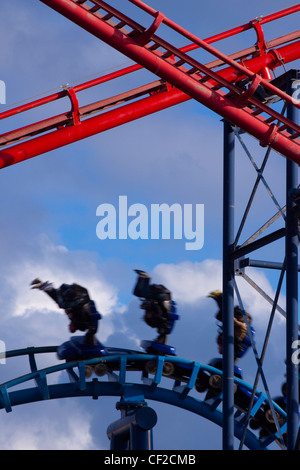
column 117, row 117
column 67, row 118
column 229, row 74
column 166, row 71
column 63, row 93
column 135, row 67
column 132, row 68
column 212, row 50
column 265, row 19
column 116, row 39
column 280, row 14
column 91, row 126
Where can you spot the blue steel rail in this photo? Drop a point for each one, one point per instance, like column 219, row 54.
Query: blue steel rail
column 131, row 392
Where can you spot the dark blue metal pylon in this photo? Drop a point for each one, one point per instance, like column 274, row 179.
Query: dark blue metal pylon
column 133, row 431
column 228, row 292
column 292, row 242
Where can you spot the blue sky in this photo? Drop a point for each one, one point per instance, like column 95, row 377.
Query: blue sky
column 48, row 217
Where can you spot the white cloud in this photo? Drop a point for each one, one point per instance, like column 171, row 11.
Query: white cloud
column 190, row 281
column 53, row 426
column 255, row 302
column 58, row 265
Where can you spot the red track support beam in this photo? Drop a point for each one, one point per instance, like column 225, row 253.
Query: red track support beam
column 187, row 88
column 125, row 114
column 90, row 127
column 211, row 99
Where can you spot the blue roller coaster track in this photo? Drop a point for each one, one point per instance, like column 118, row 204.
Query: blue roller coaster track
column 115, row 382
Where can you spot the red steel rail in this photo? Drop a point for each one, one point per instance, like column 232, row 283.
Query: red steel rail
column 189, row 78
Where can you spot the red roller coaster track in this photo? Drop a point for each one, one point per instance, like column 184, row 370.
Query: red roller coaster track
column 181, row 77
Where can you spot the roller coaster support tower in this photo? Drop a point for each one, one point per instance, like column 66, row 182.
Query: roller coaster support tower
column 231, row 255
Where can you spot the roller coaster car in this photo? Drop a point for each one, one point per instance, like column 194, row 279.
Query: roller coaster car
column 152, row 347
column 161, row 349
column 77, row 349
column 171, row 369
column 212, row 382
column 264, row 420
